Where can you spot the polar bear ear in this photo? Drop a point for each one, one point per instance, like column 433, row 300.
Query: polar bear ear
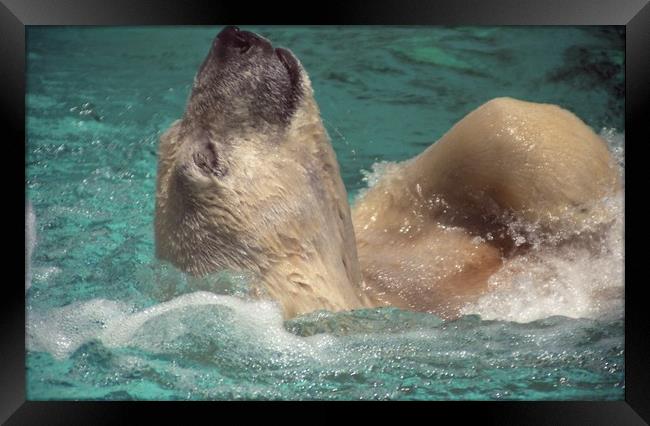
column 207, row 159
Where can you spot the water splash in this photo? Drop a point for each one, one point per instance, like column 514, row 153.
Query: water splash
column 30, row 242
column 205, row 346
column 249, row 326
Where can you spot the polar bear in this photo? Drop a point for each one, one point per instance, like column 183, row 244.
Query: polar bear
column 247, row 180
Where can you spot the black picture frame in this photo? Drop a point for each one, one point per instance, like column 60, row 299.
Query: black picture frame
column 15, row 15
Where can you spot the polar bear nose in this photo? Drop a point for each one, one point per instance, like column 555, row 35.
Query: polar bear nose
column 232, row 37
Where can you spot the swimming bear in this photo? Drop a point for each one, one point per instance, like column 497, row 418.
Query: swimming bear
column 248, row 181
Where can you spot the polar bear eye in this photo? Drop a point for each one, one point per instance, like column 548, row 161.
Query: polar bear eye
column 207, row 160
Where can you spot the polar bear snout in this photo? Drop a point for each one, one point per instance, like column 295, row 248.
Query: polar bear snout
column 232, row 44
column 247, row 83
column 234, row 40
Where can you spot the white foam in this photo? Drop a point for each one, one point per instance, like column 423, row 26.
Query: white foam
column 616, row 143
column 61, row 331
column 30, row 242
column 571, row 280
column 379, row 170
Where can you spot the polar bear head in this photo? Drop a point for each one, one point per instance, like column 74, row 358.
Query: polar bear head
column 247, row 179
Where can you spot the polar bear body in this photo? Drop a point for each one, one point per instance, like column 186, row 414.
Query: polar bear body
column 433, row 229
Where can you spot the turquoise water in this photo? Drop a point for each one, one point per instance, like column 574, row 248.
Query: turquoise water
column 98, row 328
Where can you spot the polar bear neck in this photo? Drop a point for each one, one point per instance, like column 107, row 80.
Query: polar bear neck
column 287, row 220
